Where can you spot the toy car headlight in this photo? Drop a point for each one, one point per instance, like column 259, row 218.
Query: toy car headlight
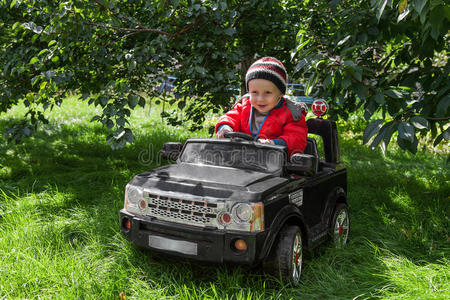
column 242, row 212
column 134, row 194
column 243, row 217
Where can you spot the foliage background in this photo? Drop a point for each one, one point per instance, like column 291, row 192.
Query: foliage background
column 379, row 55
column 114, row 52
column 388, row 56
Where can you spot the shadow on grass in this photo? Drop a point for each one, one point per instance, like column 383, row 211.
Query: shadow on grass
column 75, row 162
column 398, row 203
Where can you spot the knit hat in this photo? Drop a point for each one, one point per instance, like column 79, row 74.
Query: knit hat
column 268, row 68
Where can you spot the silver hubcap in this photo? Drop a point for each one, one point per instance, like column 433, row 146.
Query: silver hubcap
column 341, row 228
column 297, row 258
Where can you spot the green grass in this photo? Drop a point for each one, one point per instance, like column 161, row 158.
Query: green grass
column 61, row 190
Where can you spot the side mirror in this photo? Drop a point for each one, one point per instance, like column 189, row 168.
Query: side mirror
column 303, row 163
column 171, row 150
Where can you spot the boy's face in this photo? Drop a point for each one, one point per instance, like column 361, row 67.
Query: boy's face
column 264, row 95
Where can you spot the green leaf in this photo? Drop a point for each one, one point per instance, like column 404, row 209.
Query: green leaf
column 298, row 48
column 362, row 38
column 103, row 100
column 381, row 9
column 341, row 42
column 442, row 107
column 42, row 52
column 407, row 145
column 346, row 82
column 379, row 98
column 403, row 15
column 446, row 134
column 419, row 122
column 310, row 84
column 406, row 132
column 200, row 70
column 38, row 29
column 129, row 137
column 419, row 5
column 43, row 85
column 378, row 139
column 16, row 25
column 390, row 128
column 132, row 65
column 300, row 34
column 438, row 139
column 33, row 60
column 402, row 6
column 120, row 122
column 349, row 63
column 393, row 94
column 370, row 109
column 327, row 81
column 34, row 80
column 334, row 4
column 423, row 18
column 300, row 65
column 26, row 131
column 181, row 104
column 357, row 75
column 133, row 100
column 13, row 3
column 51, row 43
column 360, row 90
column 229, row 31
column 109, row 124
column 371, row 130
column 142, row 101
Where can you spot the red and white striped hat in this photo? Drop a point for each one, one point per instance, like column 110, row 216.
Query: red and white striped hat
column 268, row 68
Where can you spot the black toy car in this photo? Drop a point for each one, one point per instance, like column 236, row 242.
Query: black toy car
column 236, row 200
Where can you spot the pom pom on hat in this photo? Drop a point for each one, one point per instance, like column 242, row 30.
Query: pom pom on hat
column 268, row 68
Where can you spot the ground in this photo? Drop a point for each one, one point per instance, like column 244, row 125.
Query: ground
column 61, row 191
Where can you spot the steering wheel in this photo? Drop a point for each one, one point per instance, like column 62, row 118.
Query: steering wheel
column 241, row 135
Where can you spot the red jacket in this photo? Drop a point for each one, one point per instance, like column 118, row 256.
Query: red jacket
column 279, row 124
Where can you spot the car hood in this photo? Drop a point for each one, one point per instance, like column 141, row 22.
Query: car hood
column 207, row 175
column 208, row 181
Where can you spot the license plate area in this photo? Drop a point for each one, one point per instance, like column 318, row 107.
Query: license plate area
column 162, row 243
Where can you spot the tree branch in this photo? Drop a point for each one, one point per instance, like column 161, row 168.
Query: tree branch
column 186, row 28
column 438, row 119
column 101, row 5
column 132, row 30
column 142, row 28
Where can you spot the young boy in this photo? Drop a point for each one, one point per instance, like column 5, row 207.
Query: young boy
column 264, row 112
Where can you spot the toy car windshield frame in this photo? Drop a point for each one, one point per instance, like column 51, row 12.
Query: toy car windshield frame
column 228, row 153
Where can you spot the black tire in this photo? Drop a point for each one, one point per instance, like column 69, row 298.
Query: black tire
column 340, row 226
column 286, row 257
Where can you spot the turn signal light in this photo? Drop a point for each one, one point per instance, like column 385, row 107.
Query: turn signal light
column 126, row 223
column 240, row 245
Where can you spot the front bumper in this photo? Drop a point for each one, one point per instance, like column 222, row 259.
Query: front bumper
column 202, row 244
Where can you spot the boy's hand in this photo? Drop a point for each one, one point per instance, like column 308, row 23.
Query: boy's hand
column 266, row 141
column 223, row 129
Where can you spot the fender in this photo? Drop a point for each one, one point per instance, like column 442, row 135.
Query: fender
column 332, row 199
column 287, row 212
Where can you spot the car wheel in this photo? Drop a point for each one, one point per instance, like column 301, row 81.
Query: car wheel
column 340, row 225
column 286, row 258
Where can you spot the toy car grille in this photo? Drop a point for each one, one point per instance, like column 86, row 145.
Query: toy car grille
column 184, row 211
